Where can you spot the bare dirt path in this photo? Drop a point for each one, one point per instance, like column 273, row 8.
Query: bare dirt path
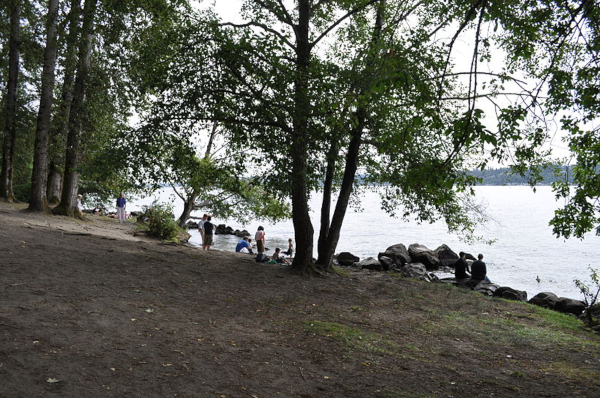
column 89, row 309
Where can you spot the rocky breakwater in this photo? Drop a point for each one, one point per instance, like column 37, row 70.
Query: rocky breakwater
column 221, row 229
column 419, row 262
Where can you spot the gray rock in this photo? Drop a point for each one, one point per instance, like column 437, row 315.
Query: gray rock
column 509, row 293
column 544, row 299
column 486, row 288
column 347, row 258
column 446, row 256
column 569, row 306
column 191, row 225
column 241, row 234
column 370, row 263
column 398, row 254
column 386, row 262
column 421, row 254
column 221, row 229
column 469, row 256
column 415, row 270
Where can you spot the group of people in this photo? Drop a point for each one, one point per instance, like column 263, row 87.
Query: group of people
column 121, row 205
column 478, row 270
column 207, row 230
column 245, row 246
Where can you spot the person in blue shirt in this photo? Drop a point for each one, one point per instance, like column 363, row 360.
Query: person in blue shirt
column 121, row 203
column 243, row 244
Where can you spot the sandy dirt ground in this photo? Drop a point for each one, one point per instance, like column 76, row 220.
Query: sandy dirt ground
column 88, row 309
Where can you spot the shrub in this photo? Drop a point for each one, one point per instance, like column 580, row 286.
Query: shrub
column 590, row 294
column 161, row 221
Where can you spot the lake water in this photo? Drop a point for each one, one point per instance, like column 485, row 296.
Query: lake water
column 524, row 249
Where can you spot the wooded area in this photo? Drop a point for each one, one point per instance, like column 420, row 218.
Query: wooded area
column 247, row 119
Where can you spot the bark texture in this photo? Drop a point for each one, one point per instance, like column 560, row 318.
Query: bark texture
column 39, row 177
column 68, row 202
column 10, row 110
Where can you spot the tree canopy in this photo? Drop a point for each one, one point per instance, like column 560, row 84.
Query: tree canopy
column 307, row 95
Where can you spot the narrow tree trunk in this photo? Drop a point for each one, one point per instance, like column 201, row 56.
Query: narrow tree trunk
column 326, row 203
column 39, row 177
column 303, row 229
column 326, row 256
column 54, row 184
column 10, row 116
column 68, row 203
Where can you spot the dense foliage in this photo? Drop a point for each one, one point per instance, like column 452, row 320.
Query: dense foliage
column 245, row 119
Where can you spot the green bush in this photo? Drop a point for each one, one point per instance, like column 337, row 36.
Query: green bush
column 161, row 221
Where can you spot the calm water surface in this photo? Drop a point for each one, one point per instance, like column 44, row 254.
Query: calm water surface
column 524, row 249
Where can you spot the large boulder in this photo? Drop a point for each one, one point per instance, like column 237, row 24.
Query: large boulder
column 569, row 306
column 415, row 270
column 222, row 229
column 486, row 288
column 544, row 299
column 386, row 262
column 241, row 234
column 509, row 293
column 446, row 256
column 191, row 225
column 370, row 263
column 421, row 254
column 347, row 258
column 398, row 254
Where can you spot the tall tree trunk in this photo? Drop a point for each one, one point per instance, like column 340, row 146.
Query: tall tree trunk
column 39, row 177
column 325, row 259
column 10, row 116
column 68, row 203
column 331, row 240
column 61, row 120
column 303, row 229
column 54, row 184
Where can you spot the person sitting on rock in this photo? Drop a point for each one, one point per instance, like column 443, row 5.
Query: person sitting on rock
column 479, row 270
column 461, row 268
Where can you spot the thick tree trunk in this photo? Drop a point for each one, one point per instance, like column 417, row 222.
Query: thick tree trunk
column 60, row 128
column 10, row 116
column 303, row 229
column 39, row 177
column 188, row 206
column 54, row 184
column 68, row 202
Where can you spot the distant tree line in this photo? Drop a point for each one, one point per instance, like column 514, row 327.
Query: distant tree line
column 507, row 176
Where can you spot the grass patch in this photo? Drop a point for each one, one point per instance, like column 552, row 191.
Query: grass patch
column 354, row 338
column 567, row 370
column 338, row 271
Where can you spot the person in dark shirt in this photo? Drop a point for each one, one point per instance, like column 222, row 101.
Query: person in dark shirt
column 207, row 240
column 479, row 270
column 461, row 268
